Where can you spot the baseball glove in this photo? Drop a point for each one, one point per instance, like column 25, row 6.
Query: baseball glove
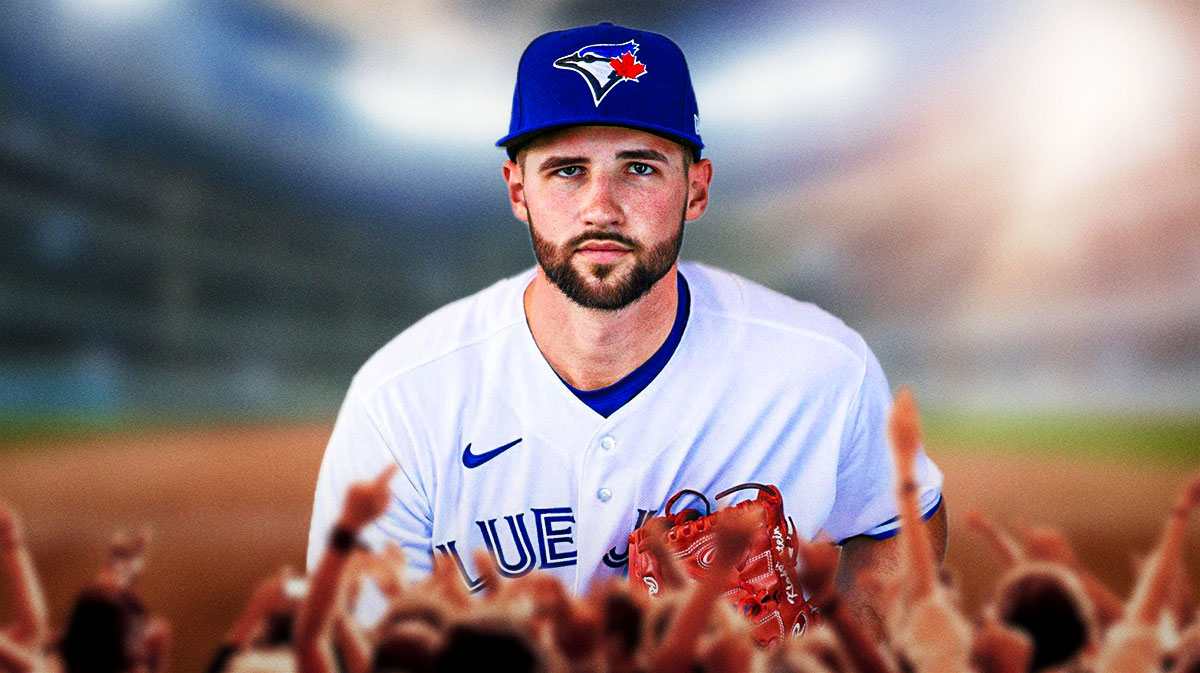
column 763, row 589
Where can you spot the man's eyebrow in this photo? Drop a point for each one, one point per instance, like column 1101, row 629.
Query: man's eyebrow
column 552, row 163
column 645, row 155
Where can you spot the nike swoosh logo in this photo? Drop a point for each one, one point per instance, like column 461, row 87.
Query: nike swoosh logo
column 476, row 459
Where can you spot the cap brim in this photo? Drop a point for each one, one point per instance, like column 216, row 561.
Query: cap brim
column 513, row 142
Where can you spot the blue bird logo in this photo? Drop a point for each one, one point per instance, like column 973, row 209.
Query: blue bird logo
column 604, row 66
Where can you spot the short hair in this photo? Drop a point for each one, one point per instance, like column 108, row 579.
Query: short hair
column 104, row 632
column 487, row 646
column 411, row 647
column 1050, row 605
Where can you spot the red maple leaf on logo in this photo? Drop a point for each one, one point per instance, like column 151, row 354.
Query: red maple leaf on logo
column 627, row 67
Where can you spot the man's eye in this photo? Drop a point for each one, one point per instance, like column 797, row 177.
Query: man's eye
column 568, row 171
column 642, row 169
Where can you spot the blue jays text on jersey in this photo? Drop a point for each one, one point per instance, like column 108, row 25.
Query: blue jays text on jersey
column 517, row 551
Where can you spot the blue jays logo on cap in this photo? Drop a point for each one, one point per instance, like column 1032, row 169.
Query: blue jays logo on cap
column 604, row 66
column 548, row 96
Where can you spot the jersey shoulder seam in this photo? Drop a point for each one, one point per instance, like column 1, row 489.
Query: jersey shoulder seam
column 784, row 327
column 758, row 322
column 439, row 356
column 741, row 316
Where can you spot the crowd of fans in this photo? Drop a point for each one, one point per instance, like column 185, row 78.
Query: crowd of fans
column 1045, row 613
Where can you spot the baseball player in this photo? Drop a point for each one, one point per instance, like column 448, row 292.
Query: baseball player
column 549, row 415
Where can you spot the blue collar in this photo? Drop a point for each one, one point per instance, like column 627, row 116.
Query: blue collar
column 608, row 399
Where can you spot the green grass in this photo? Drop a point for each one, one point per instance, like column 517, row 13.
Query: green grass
column 1126, row 437
column 26, row 428
column 32, row 430
column 1118, row 437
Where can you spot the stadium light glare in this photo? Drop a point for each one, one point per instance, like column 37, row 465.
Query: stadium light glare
column 816, row 75
column 1097, row 90
column 443, row 110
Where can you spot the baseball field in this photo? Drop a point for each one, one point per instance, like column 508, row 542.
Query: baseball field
column 230, row 505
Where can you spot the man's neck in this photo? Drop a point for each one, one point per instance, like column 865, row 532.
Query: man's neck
column 590, row 348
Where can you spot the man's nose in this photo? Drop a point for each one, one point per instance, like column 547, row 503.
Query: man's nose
column 601, row 207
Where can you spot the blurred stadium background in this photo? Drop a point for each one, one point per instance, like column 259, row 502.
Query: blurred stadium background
column 212, row 211
column 221, row 208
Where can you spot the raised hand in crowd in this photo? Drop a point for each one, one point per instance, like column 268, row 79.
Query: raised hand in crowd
column 364, row 502
column 1007, row 549
column 17, row 658
column 677, row 649
column 30, row 626
column 263, row 631
column 927, row 630
column 672, row 576
column 444, row 583
column 1133, row 643
column 1000, row 649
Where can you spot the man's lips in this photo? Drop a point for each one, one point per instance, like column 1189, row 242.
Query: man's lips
column 602, row 251
column 604, row 245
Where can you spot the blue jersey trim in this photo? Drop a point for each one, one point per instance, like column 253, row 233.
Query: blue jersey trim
column 894, row 531
column 608, row 399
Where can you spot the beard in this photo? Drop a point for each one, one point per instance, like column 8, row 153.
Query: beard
column 600, row 286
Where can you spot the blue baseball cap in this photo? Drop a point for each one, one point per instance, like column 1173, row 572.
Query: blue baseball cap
column 603, row 75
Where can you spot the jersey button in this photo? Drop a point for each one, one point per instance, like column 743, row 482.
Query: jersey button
column 608, row 443
column 604, row 495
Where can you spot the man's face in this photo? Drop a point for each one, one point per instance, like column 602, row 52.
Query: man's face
column 605, row 207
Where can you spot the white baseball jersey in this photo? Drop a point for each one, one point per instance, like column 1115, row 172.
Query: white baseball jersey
column 496, row 452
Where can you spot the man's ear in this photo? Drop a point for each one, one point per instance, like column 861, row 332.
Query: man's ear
column 699, row 178
column 515, row 178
